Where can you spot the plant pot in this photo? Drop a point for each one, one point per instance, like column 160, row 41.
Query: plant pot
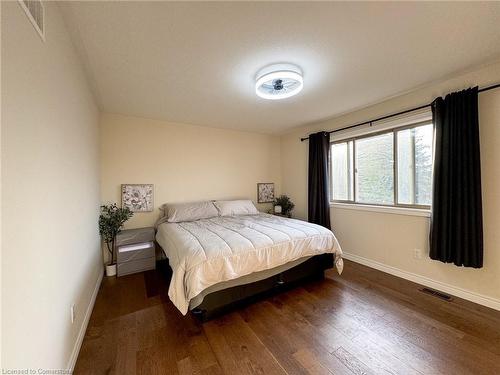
column 111, row 270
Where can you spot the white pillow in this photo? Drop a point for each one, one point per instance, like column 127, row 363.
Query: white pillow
column 178, row 212
column 237, row 207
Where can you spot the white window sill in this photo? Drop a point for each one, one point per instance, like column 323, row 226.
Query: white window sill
column 383, row 209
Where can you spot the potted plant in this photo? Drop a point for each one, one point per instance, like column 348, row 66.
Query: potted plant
column 286, row 205
column 111, row 221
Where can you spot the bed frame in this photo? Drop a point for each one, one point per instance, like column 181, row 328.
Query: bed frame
column 222, row 301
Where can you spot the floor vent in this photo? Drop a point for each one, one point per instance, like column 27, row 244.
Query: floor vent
column 437, row 294
column 36, row 14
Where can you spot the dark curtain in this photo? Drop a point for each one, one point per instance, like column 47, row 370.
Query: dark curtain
column 318, row 202
column 456, row 233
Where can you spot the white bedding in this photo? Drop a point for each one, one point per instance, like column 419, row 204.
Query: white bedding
column 205, row 252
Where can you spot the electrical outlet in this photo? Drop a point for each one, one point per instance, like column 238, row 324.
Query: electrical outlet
column 417, row 254
column 73, row 313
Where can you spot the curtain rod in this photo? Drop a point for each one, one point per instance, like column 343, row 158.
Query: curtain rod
column 396, row 114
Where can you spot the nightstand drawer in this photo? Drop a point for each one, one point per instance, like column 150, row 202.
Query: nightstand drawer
column 134, row 236
column 136, row 251
column 136, row 266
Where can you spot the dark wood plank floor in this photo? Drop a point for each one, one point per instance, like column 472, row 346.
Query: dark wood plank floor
column 364, row 322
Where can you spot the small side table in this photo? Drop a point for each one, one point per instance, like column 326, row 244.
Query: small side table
column 279, row 214
column 135, row 251
column 287, row 216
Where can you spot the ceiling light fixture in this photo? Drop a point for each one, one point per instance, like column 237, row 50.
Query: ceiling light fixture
column 279, row 81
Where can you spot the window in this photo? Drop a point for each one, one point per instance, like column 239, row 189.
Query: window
column 374, row 164
column 342, row 176
column 392, row 168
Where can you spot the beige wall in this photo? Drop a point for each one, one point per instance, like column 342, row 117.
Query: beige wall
column 1, row 277
column 50, row 192
column 389, row 239
column 184, row 162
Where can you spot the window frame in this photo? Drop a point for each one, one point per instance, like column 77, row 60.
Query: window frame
column 393, row 131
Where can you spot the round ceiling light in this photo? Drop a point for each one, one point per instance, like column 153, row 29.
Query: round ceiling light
column 279, row 81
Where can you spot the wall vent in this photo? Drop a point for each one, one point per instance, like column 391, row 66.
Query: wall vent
column 436, row 293
column 36, row 14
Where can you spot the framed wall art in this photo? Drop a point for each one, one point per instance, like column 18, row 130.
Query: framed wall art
column 138, row 197
column 265, row 192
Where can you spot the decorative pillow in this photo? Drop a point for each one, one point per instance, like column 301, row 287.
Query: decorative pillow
column 178, row 212
column 237, row 207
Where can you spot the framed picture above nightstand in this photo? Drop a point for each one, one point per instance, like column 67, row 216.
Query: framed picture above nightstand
column 138, row 197
column 265, row 192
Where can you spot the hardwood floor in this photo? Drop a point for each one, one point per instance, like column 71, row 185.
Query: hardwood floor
column 363, row 322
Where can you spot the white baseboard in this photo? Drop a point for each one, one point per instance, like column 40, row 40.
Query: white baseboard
column 83, row 327
column 438, row 285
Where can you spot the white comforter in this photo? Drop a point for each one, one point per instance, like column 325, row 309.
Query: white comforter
column 208, row 251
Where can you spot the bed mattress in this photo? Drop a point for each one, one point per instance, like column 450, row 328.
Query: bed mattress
column 207, row 252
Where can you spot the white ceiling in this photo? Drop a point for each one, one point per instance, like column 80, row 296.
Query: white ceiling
column 196, row 62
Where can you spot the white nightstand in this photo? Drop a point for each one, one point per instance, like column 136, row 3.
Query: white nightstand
column 135, row 251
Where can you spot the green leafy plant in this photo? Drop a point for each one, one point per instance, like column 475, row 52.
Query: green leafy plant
column 286, row 204
column 111, row 221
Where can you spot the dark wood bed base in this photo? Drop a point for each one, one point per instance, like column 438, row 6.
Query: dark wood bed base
column 222, row 301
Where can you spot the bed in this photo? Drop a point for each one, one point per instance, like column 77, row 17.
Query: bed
column 218, row 261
